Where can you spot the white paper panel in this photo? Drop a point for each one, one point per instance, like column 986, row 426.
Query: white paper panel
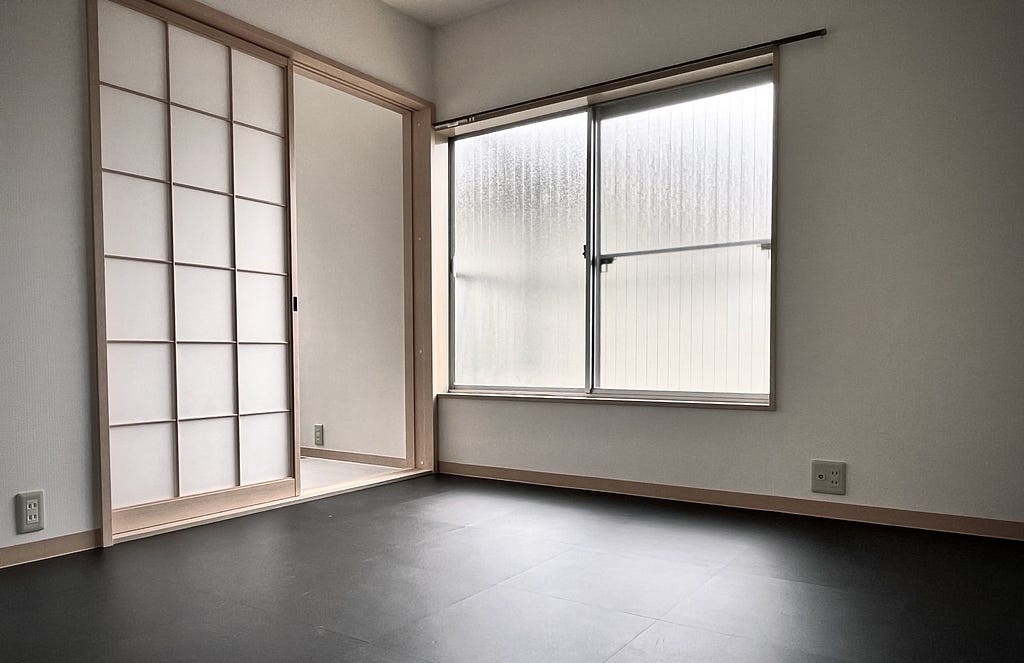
column 265, row 447
column 138, row 300
column 263, row 378
column 261, row 239
column 262, row 308
column 259, row 165
column 141, row 464
column 259, row 92
column 201, row 150
column 206, row 380
column 199, row 72
column 207, row 455
column 134, row 133
column 131, row 49
column 202, row 227
column 204, row 304
column 139, row 382
column 134, row 217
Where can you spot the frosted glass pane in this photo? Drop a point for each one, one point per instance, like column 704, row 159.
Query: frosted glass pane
column 202, row 227
column 141, row 464
column 259, row 92
column 139, row 382
column 264, row 381
column 199, row 72
column 261, row 237
column 207, row 455
column 134, row 217
column 263, row 308
column 520, row 210
column 259, row 165
column 131, row 49
column 265, row 447
column 204, row 304
column 201, row 150
column 138, row 300
column 695, row 321
column 692, row 173
column 133, row 133
column 206, row 380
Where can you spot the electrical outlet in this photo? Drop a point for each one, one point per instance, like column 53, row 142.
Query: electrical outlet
column 318, row 435
column 29, row 508
column 828, row 477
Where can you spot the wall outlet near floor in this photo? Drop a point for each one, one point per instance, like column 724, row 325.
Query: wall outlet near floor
column 828, row 477
column 318, row 435
column 29, row 507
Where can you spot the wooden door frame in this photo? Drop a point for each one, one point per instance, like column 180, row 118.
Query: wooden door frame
column 418, row 116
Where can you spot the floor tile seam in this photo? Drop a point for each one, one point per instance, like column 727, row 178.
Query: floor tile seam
column 519, row 534
column 686, row 595
column 650, row 558
column 299, row 621
column 681, row 598
column 477, row 527
column 575, row 602
column 292, row 620
column 631, row 641
column 401, row 647
column 531, row 568
column 492, row 583
column 376, row 641
column 427, row 569
column 758, row 638
column 844, row 590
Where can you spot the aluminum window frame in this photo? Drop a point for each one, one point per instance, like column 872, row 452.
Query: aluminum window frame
column 594, row 258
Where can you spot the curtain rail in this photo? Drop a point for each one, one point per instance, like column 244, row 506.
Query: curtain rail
column 623, row 81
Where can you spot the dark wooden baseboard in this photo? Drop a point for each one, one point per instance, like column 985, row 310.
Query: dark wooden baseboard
column 354, row 457
column 1004, row 529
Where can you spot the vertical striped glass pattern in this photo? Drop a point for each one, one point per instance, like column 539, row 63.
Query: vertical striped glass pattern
column 679, row 178
column 519, row 291
column 693, row 321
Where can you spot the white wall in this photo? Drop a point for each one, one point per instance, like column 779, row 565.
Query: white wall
column 46, row 367
column 901, row 226
column 348, row 156
column 364, row 34
column 47, row 401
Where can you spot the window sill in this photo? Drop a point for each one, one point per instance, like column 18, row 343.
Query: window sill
column 613, row 399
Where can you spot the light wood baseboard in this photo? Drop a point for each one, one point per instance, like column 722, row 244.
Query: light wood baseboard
column 46, row 548
column 196, row 506
column 1003, row 529
column 354, row 457
column 306, row 496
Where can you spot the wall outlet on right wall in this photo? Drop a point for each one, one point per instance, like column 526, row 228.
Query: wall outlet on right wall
column 828, row 476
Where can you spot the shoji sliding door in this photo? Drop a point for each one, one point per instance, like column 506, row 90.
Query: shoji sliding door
column 193, row 241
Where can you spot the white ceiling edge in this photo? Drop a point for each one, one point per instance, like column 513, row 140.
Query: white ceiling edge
column 437, row 13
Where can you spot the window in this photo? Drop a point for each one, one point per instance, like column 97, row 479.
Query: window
column 620, row 250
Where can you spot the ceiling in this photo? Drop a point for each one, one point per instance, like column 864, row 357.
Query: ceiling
column 442, row 12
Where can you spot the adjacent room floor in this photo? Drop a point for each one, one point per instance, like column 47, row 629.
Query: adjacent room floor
column 317, row 473
column 448, row 569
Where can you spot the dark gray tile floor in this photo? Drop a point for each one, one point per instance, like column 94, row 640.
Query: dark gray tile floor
column 448, row 569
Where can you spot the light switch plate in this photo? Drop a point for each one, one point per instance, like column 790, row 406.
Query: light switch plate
column 318, row 435
column 828, row 476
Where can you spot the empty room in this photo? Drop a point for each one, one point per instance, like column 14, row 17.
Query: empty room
column 546, row 331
